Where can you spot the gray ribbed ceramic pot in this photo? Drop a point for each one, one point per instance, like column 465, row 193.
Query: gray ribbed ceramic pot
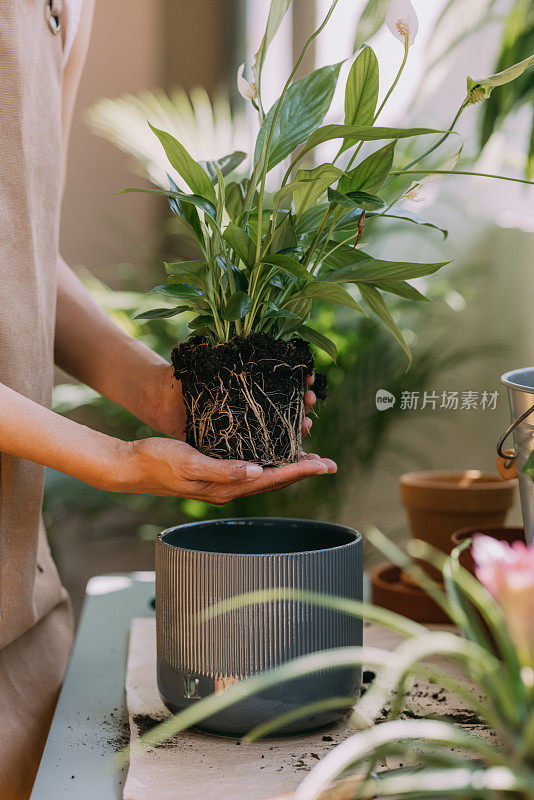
column 203, row 563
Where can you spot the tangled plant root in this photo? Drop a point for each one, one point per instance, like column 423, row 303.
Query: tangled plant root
column 245, row 398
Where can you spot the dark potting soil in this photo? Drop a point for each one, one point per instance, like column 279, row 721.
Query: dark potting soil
column 244, row 398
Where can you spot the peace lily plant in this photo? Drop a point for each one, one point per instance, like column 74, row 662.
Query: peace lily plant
column 494, row 647
column 267, row 253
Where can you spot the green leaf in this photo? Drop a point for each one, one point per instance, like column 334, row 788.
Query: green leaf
column 481, row 88
column 236, row 238
column 361, row 92
column 162, row 313
column 376, row 303
column 371, row 20
column 200, row 202
column 284, row 236
column 322, row 290
column 277, row 13
column 367, row 202
column 528, row 469
column 405, row 216
column 202, row 322
column 183, row 291
column 312, row 183
column 361, row 133
column 234, row 200
column 237, row 307
column 319, row 340
column 302, row 111
column 226, row 164
column 402, row 289
column 371, row 270
column 310, row 220
column 289, row 265
column 187, row 212
column 370, row 175
column 274, row 311
column 188, row 272
column 186, row 166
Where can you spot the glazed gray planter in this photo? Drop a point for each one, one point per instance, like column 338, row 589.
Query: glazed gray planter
column 203, row 563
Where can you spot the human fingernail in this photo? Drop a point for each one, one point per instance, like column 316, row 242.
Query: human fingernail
column 321, row 467
column 331, row 465
column 253, row 471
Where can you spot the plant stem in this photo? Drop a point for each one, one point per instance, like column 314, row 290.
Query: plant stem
column 264, row 158
column 320, row 229
column 459, row 172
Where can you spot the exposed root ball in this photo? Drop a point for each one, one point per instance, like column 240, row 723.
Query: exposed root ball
column 244, row 398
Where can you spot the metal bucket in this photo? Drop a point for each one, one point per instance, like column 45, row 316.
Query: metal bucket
column 520, row 383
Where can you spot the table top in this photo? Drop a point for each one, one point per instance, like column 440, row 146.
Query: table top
column 90, row 723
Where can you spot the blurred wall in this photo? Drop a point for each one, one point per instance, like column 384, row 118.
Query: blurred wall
column 135, row 45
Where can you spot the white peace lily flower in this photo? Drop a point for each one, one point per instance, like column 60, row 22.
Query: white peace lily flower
column 401, row 19
column 247, row 90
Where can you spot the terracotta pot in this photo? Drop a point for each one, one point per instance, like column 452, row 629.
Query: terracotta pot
column 439, row 503
column 388, row 590
column 503, row 534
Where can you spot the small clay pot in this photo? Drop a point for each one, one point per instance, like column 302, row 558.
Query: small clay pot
column 502, row 534
column 439, row 503
column 388, row 590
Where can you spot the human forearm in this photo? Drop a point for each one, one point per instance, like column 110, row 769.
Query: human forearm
column 150, row 466
column 31, row 431
column 92, row 348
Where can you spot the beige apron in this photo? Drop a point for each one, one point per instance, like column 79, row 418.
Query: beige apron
column 35, row 617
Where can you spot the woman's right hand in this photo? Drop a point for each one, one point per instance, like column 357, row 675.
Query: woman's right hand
column 174, row 468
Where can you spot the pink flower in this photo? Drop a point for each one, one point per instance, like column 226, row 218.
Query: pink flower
column 507, row 572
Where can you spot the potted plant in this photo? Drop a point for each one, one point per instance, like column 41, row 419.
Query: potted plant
column 266, row 253
column 494, row 648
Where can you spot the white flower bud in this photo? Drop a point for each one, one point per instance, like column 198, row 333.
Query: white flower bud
column 246, row 89
column 401, row 19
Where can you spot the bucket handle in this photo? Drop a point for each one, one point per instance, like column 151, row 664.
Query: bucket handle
column 506, row 458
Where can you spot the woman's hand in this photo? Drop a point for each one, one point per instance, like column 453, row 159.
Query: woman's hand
column 173, row 468
column 164, row 410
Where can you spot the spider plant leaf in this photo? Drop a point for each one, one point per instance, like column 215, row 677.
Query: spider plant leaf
column 322, row 290
column 162, row 313
column 363, row 200
column 361, row 91
column 301, row 112
column 236, row 238
column 192, row 173
column 371, row 174
column 362, row 747
column 237, row 307
column 376, row 303
column 319, row 340
column 336, row 658
column 289, row 265
column 180, row 290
